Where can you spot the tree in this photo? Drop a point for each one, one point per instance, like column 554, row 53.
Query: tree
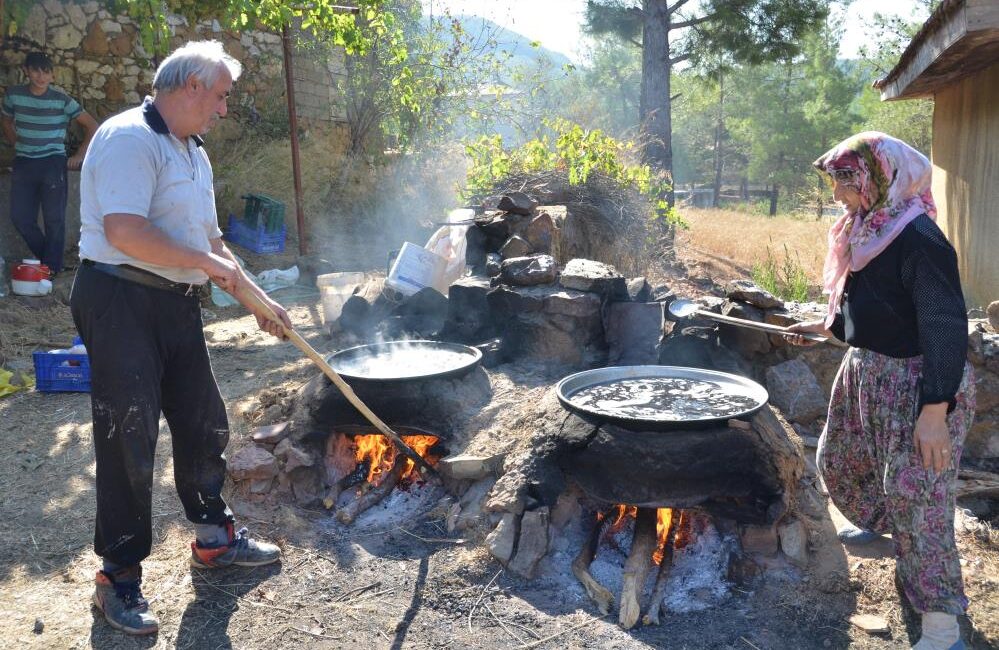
column 751, row 31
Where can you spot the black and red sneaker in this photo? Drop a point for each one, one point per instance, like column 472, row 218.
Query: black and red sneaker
column 241, row 550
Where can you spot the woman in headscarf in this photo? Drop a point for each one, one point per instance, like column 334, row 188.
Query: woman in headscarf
column 903, row 399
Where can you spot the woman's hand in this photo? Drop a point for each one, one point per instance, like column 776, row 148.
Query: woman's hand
column 932, row 438
column 809, row 327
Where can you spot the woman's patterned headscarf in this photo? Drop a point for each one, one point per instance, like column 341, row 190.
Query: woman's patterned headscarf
column 893, row 181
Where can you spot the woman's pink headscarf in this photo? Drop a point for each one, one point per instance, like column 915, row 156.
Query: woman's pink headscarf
column 893, row 181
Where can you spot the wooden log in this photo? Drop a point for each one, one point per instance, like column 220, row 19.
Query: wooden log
column 659, row 591
column 349, row 512
column 977, row 483
column 637, row 567
column 599, row 594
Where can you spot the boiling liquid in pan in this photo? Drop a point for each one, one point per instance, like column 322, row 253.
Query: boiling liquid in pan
column 402, row 362
column 664, row 398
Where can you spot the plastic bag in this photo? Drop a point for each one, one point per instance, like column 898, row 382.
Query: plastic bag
column 450, row 242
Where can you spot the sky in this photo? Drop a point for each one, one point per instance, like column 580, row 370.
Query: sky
column 558, row 23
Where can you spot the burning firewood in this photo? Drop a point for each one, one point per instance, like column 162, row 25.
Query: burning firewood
column 581, row 567
column 637, row 567
column 665, row 564
column 349, row 512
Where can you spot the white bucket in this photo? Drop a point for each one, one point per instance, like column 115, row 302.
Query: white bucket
column 335, row 289
column 415, row 268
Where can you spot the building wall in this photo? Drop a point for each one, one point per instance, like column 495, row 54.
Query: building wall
column 966, row 178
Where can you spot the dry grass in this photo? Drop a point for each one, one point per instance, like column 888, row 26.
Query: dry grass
column 743, row 239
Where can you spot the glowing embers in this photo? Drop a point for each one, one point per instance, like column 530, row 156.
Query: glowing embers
column 657, row 532
column 363, row 468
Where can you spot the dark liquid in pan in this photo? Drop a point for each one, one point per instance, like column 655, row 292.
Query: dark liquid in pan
column 664, row 398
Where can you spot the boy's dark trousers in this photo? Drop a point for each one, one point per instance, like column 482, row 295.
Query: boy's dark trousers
column 147, row 356
column 40, row 182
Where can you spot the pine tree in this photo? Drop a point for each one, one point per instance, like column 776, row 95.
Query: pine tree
column 750, row 31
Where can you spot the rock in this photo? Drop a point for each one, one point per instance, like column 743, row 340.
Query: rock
column 96, row 42
column 293, row 456
column 252, row 462
column 424, row 313
column 761, row 540
column 746, row 291
column 795, row 391
column 540, row 233
column 356, row 317
column 467, row 467
column 745, row 341
column 261, row 485
column 532, row 543
column 494, row 264
column 503, row 538
column 993, row 313
column 471, row 507
column 468, row 319
column 76, row 16
column 543, row 323
column 871, row 624
column 492, row 352
column 529, row 271
column 508, row 494
column 39, row 626
column 663, row 294
column 305, row 486
column 516, row 246
column 517, row 203
column 697, row 347
column 633, row 331
column 794, row 541
column 34, row 25
column 639, row 290
column 66, row 37
column 495, row 229
column 595, row 277
column 271, row 434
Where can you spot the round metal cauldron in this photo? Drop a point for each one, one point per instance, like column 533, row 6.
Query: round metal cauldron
column 638, row 412
column 398, row 361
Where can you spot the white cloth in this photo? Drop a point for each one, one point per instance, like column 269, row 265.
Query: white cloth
column 131, row 169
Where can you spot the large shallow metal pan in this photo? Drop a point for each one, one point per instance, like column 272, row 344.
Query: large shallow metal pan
column 752, row 396
column 397, row 361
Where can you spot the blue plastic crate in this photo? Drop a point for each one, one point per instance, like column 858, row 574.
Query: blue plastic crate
column 62, row 373
column 256, row 239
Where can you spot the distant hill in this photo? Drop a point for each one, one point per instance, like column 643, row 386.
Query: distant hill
column 524, row 54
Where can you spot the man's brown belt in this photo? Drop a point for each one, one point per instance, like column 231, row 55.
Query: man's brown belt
column 141, row 276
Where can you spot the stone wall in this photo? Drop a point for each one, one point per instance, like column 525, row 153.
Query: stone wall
column 99, row 59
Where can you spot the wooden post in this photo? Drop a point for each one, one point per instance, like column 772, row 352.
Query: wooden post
column 296, row 168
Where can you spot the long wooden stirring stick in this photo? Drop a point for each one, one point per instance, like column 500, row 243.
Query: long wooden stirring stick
column 343, row 386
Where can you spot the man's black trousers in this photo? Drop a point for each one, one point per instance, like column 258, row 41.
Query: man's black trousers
column 147, row 355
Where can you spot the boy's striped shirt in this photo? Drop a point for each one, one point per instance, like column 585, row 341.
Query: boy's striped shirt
column 40, row 121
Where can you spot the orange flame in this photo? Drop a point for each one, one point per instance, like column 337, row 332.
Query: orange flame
column 664, row 516
column 380, row 453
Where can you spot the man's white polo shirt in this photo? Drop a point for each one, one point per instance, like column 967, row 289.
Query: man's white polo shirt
column 134, row 165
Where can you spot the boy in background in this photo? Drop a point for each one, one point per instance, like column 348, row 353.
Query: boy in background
column 35, row 117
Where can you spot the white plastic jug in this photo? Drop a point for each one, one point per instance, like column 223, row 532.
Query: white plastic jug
column 415, row 268
column 335, row 289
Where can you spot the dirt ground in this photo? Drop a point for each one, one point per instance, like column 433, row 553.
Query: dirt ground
column 400, row 584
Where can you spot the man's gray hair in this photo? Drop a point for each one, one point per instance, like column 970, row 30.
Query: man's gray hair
column 203, row 59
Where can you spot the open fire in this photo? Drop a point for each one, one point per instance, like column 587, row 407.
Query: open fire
column 369, row 466
column 658, row 533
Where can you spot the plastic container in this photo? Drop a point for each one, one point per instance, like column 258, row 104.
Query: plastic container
column 31, row 278
column 415, row 268
column 335, row 289
column 265, row 210
column 254, row 238
column 62, row 372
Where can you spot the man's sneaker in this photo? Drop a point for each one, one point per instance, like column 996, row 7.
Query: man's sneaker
column 123, row 605
column 240, row 551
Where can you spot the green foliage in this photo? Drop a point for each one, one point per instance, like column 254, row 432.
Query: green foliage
column 784, row 277
column 579, row 152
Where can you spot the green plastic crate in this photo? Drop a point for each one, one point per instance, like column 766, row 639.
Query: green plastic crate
column 263, row 209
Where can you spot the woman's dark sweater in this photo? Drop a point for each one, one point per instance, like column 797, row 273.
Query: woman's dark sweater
column 907, row 301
